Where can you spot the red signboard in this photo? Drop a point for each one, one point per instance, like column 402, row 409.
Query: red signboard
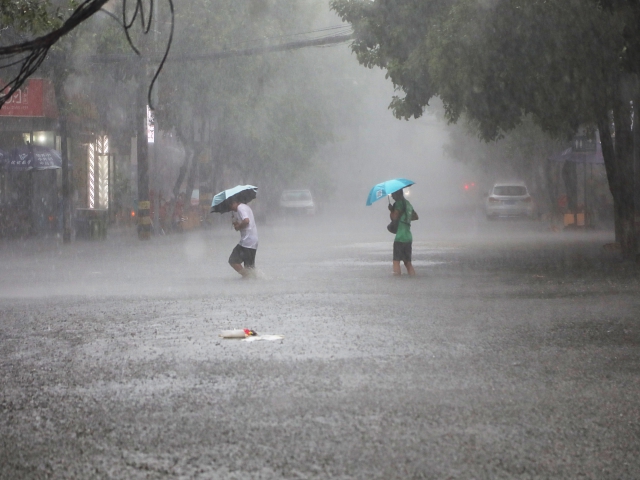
column 33, row 99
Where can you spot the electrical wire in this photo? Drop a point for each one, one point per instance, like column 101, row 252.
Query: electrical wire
column 145, row 23
column 317, row 42
column 342, row 28
column 35, row 51
column 340, row 34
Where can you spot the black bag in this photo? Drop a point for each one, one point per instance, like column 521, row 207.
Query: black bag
column 393, row 226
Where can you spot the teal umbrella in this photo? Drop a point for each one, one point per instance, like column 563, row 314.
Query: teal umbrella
column 383, row 189
column 243, row 193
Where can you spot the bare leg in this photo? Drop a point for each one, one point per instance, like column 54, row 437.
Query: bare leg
column 410, row 269
column 396, row 268
column 239, row 268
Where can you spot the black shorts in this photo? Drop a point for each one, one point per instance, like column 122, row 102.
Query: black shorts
column 401, row 251
column 244, row 255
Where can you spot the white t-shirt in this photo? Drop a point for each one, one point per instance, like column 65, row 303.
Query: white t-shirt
column 248, row 235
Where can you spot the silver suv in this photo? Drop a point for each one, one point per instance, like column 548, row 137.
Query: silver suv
column 509, row 199
column 297, row 202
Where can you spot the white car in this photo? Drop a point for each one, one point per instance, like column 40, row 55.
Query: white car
column 297, row 202
column 509, row 199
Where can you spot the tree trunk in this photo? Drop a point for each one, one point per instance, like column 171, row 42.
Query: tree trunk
column 144, row 206
column 193, row 174
column 66, row 184
column 618, row 159
column 176, row 186
column 551, row 189
column 216, row 169
column 195, row 139
column 60, row 77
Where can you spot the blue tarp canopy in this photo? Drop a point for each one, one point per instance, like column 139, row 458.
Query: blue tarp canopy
column 30, row 157
column 570, row 155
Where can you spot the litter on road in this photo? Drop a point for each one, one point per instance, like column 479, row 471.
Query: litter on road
column 263, row 337
column 238, row 333
column 248, row 335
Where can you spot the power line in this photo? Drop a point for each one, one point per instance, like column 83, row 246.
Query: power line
column 315, row 42
column 32, row 53
column 320, row 30
column 181, row 58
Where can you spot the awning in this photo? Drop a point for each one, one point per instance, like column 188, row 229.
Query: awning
column 30, row 157
column 570, row 155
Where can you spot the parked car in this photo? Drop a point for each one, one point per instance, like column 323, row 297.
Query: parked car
column 297, row 202
column 509, row 199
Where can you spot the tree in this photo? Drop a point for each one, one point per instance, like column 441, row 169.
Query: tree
column 64, row 68
column 566, row 64
column 258, row 118
column 522, row 153
column 24, row 57
column 26, row 17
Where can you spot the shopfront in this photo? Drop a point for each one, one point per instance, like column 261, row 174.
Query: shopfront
column 29, row 198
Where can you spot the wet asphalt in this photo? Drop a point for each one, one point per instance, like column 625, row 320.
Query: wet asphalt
column 514, row 353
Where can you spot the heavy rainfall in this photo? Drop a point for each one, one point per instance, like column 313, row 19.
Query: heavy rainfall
column 151, row 151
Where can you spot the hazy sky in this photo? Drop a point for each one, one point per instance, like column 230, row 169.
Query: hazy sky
column 385, row 147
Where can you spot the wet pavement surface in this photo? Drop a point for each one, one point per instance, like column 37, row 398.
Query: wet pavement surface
column 514, row 353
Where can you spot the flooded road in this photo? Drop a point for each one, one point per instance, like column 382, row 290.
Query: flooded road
column 514, row 353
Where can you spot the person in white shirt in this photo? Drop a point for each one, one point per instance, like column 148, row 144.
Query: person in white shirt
column 245, row 251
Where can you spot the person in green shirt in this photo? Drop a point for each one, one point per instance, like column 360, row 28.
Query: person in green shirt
column 402, row 245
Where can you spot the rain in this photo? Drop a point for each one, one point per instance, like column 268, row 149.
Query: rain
column 155, row 138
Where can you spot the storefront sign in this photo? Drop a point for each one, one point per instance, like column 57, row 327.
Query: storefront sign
column 33, row 99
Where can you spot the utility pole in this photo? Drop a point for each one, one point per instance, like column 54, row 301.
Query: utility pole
column 636, row 170
column 144, row 206
column 156, row 179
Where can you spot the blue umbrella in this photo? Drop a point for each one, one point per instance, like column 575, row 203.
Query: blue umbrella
column 383, row 189
column 243, row 193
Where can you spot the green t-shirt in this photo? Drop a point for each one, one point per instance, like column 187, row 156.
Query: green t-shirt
column 404, row 227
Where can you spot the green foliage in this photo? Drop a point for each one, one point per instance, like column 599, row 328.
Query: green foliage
column 29, row 17
column 564, row 63
column 390, row 34
column 268, row 113
column 90, row 91
column 493, row 61
column 519, row 154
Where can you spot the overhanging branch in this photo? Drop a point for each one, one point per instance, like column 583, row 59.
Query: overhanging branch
column 34, row 51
